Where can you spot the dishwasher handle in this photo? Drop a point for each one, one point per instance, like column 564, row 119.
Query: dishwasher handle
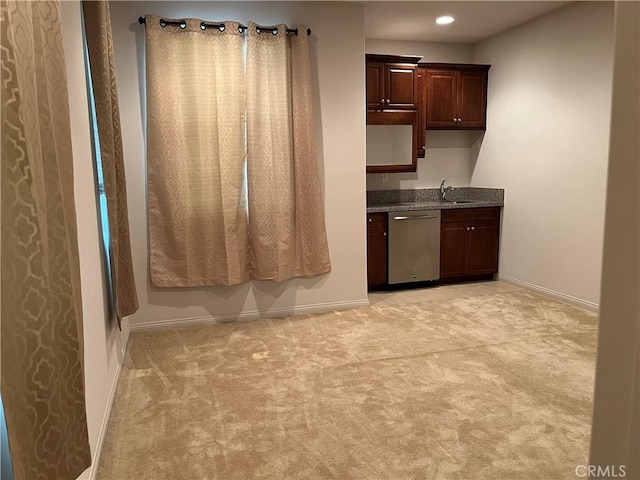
column 416, row 217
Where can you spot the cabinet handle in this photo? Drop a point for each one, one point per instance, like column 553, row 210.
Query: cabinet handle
column 416, row 217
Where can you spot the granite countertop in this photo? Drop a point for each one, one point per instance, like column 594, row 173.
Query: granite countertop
column 429, row 199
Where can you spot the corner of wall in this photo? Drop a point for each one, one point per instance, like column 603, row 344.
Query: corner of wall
column 103, row 343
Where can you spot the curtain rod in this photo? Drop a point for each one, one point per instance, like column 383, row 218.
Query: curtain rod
column 221, row 26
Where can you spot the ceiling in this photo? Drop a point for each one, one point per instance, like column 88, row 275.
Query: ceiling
column 475, row 21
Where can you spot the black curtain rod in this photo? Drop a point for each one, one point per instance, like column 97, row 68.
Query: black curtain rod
column 221, row 26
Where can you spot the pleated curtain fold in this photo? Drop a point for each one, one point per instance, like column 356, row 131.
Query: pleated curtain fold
column 97, row 20
column 234, row 190
column 41, row 304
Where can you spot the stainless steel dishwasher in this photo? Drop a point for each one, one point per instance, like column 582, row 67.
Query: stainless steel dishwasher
column 414, row 246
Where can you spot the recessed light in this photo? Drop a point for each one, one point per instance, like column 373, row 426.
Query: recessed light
column 445, row 20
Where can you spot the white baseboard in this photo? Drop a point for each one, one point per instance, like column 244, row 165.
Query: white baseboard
column 248, row 316
column 124, row 338
column 563, row 297
column 95, row 462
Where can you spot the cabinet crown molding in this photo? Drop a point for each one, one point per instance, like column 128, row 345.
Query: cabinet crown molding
column 386, row 58
column 454, row 66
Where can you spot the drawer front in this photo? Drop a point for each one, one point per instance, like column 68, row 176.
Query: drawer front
column 376, row 220
column 470, row 214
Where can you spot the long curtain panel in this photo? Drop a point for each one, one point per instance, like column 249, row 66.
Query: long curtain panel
column 286, row 214
column 211, row 221
column 196, row 94
column 41, row 327
column 97, row 20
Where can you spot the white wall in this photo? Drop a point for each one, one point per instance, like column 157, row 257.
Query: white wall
column 337, row 47
column 546, row 144
column 615, row 438
column 448, row 153
column 433, row 52
column 102, row 339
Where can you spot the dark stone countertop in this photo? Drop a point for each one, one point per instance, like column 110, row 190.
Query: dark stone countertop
column 429, row 199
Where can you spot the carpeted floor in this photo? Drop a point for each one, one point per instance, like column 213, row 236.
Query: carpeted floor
column 488, row 386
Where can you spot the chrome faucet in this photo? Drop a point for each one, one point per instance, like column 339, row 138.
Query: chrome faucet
column 444, row 190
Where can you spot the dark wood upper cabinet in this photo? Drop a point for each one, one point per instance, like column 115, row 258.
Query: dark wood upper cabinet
column 375, row 92
column 401, row 86
column 391, row 82
column 441, row 95
column 455, row 96
column 472, row 99
column 395, row 98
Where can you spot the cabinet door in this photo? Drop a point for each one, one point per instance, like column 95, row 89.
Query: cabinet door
column 453, row 250
column 376, row 250
column 441, row 99
column 375, row 90
column 483, row 248
column 400, row 86
column 472, row 99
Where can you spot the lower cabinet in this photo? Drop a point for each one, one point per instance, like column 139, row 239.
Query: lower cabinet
column 469, row 240
column 376, row 250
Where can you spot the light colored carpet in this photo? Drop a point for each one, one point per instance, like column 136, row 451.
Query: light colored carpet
column 495, row 386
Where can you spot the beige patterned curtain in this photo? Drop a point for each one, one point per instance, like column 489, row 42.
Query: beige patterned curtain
column 97, row 19
column 199, row 206
column 196, row 94
column 41, row 328
column 286, row 214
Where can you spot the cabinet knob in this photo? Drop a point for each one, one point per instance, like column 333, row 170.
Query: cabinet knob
column 388, row 101
column 382, row 100
column 370, row 220
column 468, row 229
column 473, row 228
column 384, row 234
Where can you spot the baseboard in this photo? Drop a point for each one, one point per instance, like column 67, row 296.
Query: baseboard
column 93, row 471
column 124, row 337
column 563, row 297
column 248, row 316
